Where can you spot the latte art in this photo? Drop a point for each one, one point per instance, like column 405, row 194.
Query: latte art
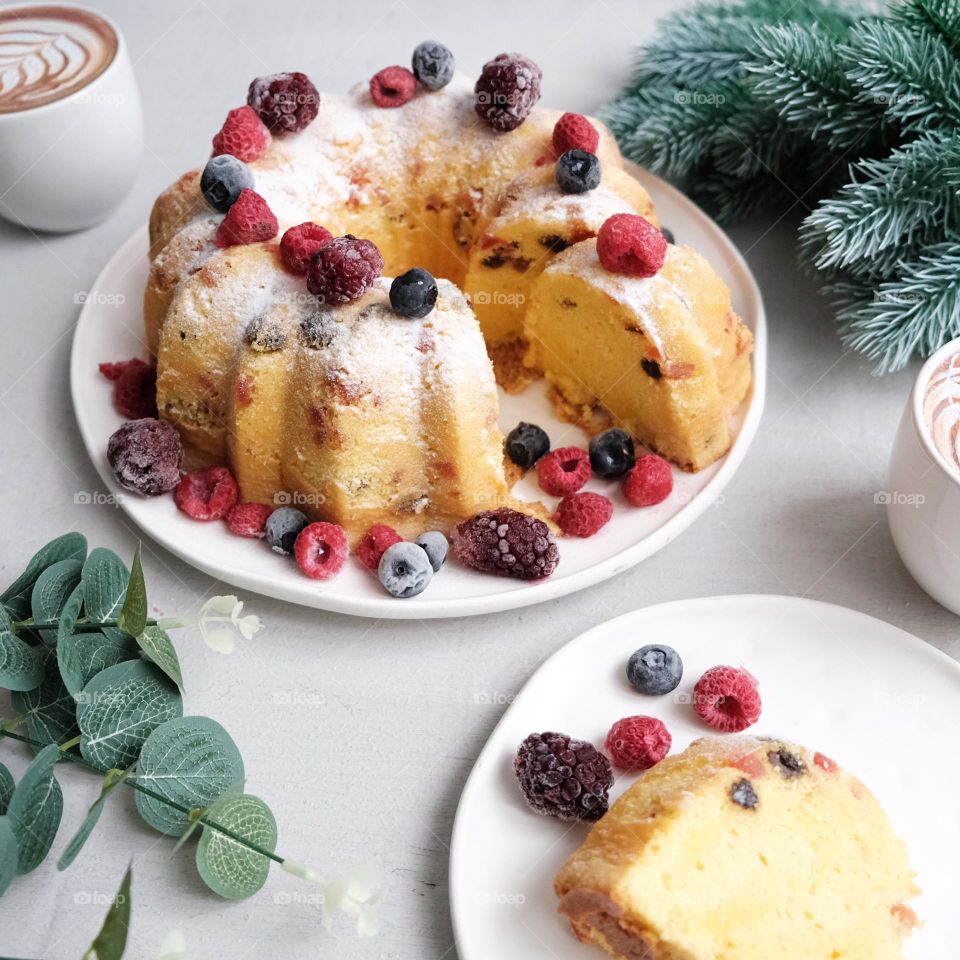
column 941, row 409
column 47, row 53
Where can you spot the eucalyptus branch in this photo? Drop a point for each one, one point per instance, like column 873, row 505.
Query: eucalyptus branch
column 132, row 783
column 81, row 626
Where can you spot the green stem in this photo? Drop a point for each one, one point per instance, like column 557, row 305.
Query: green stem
column 213, row 825
column 81, row 626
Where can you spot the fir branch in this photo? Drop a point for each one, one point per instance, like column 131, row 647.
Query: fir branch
column 912, row 75
column 753, row 142
column 939, row 17
column 734, row 199
column 917, row 312
column 799, row 71
column 891, row 207
column 675, row 137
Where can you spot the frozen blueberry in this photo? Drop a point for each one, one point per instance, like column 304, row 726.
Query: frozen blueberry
column 612, row 453
column 668, row 235
column 435, row 545
column 222, row 181
column 433, row 64
column 578, row 171
column 405, row 569
column 414, row 293
column 526, row 444
column 655, row 669
column 283, row 528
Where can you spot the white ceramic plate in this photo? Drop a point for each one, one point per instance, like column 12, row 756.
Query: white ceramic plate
column 111, row 328
column 879, row 701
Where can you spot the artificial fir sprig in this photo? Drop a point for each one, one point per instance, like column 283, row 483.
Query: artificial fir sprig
column 850, row 116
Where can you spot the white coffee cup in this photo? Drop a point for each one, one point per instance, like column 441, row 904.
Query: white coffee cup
column 66, row 163
column 923, row 499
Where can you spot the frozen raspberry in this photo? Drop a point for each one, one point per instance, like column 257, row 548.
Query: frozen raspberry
column 563, row 471
column 248, row 519
column 285, row 102
column 508, row 88
column 300, row 243
column 342, row 269
column 392, row 86
column 573, row 131
column 243, row 135
column 630, row 244
column 727, row 699
column 638, row 743
column 134, row 387
column 249, row 220
column 583, row 514
column 508, row 543
column 207, row 494
column 145, row 456
column 321, row 550
column 562, row 777
column 373, row 544
column 649, row 481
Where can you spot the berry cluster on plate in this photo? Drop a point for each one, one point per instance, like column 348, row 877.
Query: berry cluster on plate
column 570, row 779
column 646, row 480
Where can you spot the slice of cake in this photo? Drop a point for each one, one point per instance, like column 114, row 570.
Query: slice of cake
column 534, row 221
column 742, row 849
column 665, row 357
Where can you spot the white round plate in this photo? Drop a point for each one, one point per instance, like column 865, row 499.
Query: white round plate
column 111, row 328
column 879, row 701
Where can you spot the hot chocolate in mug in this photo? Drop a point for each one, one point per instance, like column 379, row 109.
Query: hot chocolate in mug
column 923, row 495
column 71, row 125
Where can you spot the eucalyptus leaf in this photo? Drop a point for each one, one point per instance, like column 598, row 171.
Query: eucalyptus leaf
column 227, row 867
column 192, row 761
column 6, row 788
column 133, row 614
column 110, row 782
column 111, row 941
column 210, row 812
column 104, row 584
column 158, row 646
column 119, row 708
column 21, row 666
column 35, row 809
column 49, row 711
column 16, row 598
column 8, row 853
column 70, row 613
column 82, row 656
column 51, row 591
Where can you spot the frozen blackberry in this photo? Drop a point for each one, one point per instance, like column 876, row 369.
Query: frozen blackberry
column 342, row 269
column 145, row 456
column 436, row 546
column 285, row 102
column 414, row 293
column 223, row 179
column 578, row 172
column 655, row 669
column 507, row 90
column 526, row 444
column 562, row 777
column 283, row 527
column 433, row 64
column 508, row 543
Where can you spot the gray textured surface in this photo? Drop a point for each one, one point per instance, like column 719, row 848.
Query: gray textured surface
column 360, row 734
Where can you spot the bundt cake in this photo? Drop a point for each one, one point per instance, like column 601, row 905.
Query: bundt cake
column 741, row 848
column 665, row 357
column 352, row 412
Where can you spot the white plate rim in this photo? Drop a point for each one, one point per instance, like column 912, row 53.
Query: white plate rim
column 303, row 591
column 918, row 646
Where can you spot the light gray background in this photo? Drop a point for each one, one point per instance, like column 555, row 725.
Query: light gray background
column 360, row 734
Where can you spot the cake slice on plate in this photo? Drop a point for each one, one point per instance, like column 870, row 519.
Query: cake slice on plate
column 742, row 849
